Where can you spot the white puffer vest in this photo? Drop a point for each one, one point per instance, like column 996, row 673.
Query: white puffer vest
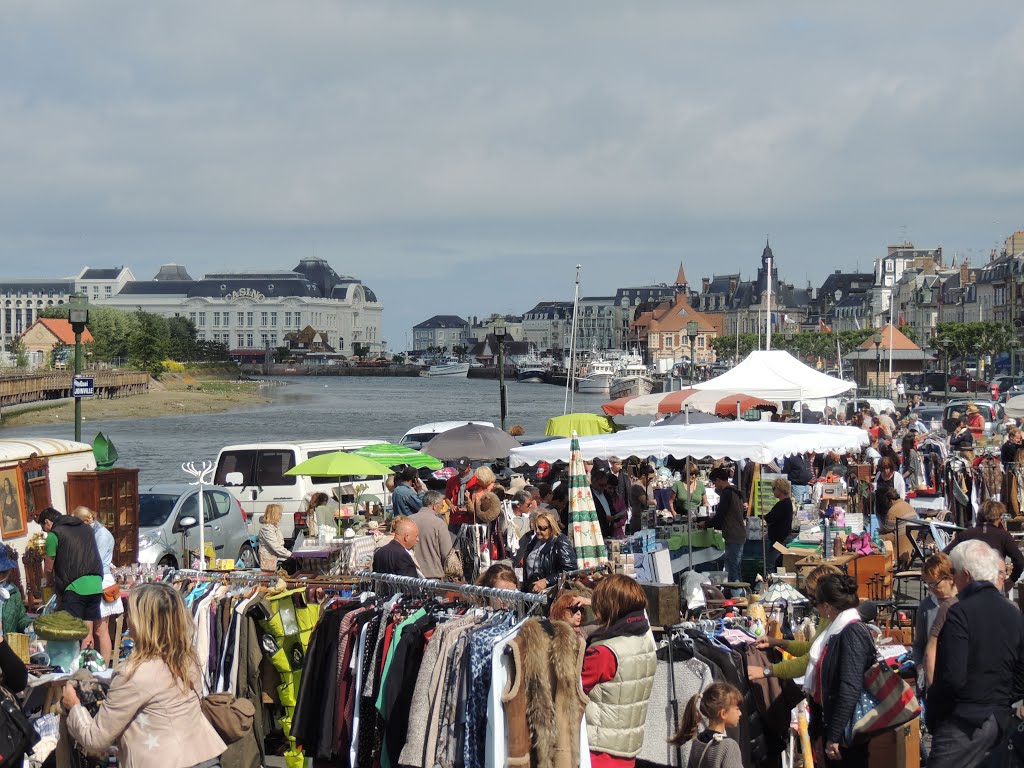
column 618, row 708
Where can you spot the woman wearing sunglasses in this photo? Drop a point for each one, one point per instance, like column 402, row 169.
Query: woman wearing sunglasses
column 570, row 608
column 547, row 552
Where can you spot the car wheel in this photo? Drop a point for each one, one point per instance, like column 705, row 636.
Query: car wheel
column 247, row 557
column 953, row 389
column 168, row 562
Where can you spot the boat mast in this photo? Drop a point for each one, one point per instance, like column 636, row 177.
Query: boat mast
column 570, row 378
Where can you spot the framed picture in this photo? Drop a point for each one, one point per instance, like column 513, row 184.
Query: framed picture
column 12, row 507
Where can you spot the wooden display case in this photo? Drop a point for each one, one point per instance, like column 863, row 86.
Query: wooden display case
column 113, row 495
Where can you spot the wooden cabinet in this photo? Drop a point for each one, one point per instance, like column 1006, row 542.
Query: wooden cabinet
column 900, row 748
column 114, row 496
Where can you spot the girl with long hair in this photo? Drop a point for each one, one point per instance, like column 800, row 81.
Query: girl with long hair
column 719, row 705
column 152, row 710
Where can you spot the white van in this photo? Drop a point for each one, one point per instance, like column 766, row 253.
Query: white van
column 254, row 473
column 33, row 476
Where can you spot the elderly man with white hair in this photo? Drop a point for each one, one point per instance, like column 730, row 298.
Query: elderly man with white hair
column 979, row 670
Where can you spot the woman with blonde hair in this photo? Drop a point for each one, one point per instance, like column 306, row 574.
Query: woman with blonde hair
column 108, row 608
column 272, row 548
column 546, row 552
column 152, row 709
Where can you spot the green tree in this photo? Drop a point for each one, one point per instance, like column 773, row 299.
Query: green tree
column 149, row 346
column 360, row 350
column 16, row 348
column 181, row 339
column 58, row 356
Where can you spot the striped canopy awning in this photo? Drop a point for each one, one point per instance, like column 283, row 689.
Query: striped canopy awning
column 586, row 531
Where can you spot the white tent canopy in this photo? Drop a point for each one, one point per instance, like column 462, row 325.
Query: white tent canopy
column 756, row 441
column 1015, row 407
column 776, row 376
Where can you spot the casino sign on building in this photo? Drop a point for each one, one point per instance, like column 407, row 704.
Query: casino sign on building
column 250, row 311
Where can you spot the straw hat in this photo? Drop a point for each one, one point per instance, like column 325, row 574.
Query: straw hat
column 488, row 508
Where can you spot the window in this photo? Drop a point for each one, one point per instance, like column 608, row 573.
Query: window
column 108, row 291
column 249, row 318
column 192, row 317
column 273, row 319
column 202, row 319
column 287, row 319
column 236, row 461
column 248, row 340
column 264, row 340
column 95, row 291
column 272, row 465
column 264, row 318
column 216, row 504
column 241, row 341
column 216, row 319
column 241, row 319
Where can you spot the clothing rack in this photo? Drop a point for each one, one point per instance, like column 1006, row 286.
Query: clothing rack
column 522, row 600
column 242, row 576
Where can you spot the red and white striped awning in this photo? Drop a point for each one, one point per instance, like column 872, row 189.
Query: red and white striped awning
column 674, row 402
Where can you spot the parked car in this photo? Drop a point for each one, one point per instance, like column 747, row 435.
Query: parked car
column 1000, row 384
column 257, row 475
column 965, row 382
column 931, row 415
column 991, row 411
column 169, row 513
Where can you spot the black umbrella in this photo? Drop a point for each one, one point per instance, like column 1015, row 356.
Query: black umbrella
column 696, row 417
column 474, row 441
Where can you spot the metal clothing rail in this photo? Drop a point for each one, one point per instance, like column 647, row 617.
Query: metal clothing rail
column 410, row 582
column 190, row 573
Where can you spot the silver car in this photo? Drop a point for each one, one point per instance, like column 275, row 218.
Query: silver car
column 169, row 514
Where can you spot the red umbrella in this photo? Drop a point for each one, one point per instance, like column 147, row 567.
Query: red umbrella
column 727, row 406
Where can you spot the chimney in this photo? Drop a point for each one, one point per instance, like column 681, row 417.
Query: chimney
column 965, row 270
column 705, row 284
column 732, row 285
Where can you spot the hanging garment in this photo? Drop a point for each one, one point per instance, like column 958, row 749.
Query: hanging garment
column 544, row 702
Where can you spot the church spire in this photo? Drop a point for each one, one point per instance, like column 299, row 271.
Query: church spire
column 681, row 276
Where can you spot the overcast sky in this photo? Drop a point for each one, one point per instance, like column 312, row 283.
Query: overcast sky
column 464, row 157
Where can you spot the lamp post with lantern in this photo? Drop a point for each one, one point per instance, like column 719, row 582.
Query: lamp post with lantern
column 692, row 331
column 499, row 337
column 78, row 316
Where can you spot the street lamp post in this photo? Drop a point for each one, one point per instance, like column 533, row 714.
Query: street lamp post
column 1014, row 346
column 499, row 336
column 692, row 329
column 877, row 341
column 78, row 316
column 945, row 343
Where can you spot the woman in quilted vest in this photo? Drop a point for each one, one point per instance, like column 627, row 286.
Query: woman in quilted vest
column 618, row 673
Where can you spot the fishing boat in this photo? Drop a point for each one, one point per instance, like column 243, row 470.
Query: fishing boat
column 532, row 370
column 598, row 377
column 449, row 368
column 632, row 379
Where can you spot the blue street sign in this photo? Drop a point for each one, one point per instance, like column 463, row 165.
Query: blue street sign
column 82, row 386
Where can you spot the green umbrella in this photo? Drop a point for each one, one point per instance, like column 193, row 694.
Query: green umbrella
column 579, row 423
column 339, row 464
column 392, row 455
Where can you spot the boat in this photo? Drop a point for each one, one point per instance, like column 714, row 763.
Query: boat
column 632, row 379
column 532, row 370
column 598, row 377
column 451, row 368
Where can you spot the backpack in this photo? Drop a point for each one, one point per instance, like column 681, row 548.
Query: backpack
column 16, row 733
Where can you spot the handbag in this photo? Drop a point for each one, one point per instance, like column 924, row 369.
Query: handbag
column 453, row 565
column 885, row 703
column 17, row 735
column 232, row 718
column 112, row 593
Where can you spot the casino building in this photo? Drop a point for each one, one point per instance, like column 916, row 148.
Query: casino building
column 246, row 311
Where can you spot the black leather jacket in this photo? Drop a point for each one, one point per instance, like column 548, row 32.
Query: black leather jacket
column 557, row 556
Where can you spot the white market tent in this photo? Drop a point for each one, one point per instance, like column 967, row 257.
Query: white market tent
column 1015, row 407
column 755, row 441
column 774, row 375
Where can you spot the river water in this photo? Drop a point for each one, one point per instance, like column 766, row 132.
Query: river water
column 319, row 408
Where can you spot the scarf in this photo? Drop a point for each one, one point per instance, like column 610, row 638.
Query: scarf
column 817, row 653
column 631, row 625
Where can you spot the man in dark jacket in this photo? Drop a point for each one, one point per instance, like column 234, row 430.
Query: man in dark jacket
column 798, row 472
column 77, row 568
column 728, row 519
column 979, row 670
column 396, row 556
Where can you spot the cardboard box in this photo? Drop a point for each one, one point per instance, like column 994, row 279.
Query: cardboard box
column 790, row 555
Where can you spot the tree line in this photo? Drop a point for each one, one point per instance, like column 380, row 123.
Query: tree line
column 144, row 339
